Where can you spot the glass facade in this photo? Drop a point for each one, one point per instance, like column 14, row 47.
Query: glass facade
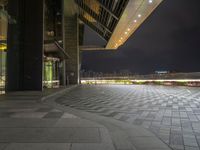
column 51, row 73
column 2, row 71
column 53, row 34
column 3, row 45
column 51, row 62
column 35, row 45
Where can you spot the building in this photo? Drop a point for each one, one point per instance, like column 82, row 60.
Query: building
column 41, row 40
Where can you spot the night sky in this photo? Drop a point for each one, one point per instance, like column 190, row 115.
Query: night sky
column 168, row 40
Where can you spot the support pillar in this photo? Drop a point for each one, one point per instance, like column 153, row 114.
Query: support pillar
column 71, row 41
column 25, row 45
column 63, row 73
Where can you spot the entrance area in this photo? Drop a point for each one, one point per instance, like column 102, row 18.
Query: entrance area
column 51, row 72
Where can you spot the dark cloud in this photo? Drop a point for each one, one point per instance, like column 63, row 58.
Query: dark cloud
column 168, row 40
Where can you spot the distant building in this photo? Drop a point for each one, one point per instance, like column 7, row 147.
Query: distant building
column 162, row 72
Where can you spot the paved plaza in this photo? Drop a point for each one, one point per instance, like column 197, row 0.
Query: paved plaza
column 102, row 117
column 28, row 124
column 34, row 121
column 171, row 113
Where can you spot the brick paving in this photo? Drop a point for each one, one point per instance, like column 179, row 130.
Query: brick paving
column 171, row 113
column 35, row 110
column 26, row 123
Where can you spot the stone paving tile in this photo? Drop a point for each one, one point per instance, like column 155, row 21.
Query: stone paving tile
column 49, row 135
column 26, row 122
column 53, row 115
column 198, row 139
column 38, row 146
column 6, row 114
column 29, row 115
column 90, row 146
column 67, row 115
column 148, row 143
column 152, row 107
column 191, row 148
column 190, row 141
column 44, row 109
column 177, row 147
column 3, row 145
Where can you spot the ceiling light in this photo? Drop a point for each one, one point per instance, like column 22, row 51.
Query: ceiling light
column 139, row 15
column 128, row 29
column 135, row 21
column 126, row 32
column 150, row 1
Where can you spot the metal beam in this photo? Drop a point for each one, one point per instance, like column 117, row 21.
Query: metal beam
column 92, row 48
column 106, row 9
column 93, row 14
column 93, row 27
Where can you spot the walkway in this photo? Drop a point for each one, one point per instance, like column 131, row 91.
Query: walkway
column 171, row 113
column 30, row 121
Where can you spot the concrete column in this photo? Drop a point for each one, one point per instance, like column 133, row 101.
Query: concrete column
column 25, row 45
column 63, row 73
column 71, row 41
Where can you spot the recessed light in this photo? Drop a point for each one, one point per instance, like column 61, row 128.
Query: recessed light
column 139, row 15
column 150, row 1
column 126, row 32
column 135, row 21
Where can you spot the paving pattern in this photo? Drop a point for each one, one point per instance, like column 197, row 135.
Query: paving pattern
column 28, row 124
column 172, row 113
column 23, row 106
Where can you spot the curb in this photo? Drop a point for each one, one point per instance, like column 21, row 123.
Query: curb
column 58, row 93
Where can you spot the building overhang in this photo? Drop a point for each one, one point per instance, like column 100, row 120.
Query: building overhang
column 135, row 13
column 54, row 49
column 115, row 20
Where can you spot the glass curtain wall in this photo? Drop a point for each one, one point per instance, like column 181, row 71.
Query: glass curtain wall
column 51, row 73
column 3, row 44
column 53, row 33
column 2, row 71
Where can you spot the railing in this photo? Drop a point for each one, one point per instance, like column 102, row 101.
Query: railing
column 182, row 79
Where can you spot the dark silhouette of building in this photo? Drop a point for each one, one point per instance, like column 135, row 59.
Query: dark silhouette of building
column 41, row 40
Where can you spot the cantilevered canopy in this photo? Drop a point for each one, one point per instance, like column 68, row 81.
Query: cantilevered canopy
column 115, row 20
column 101, row 15
column 54, row 48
